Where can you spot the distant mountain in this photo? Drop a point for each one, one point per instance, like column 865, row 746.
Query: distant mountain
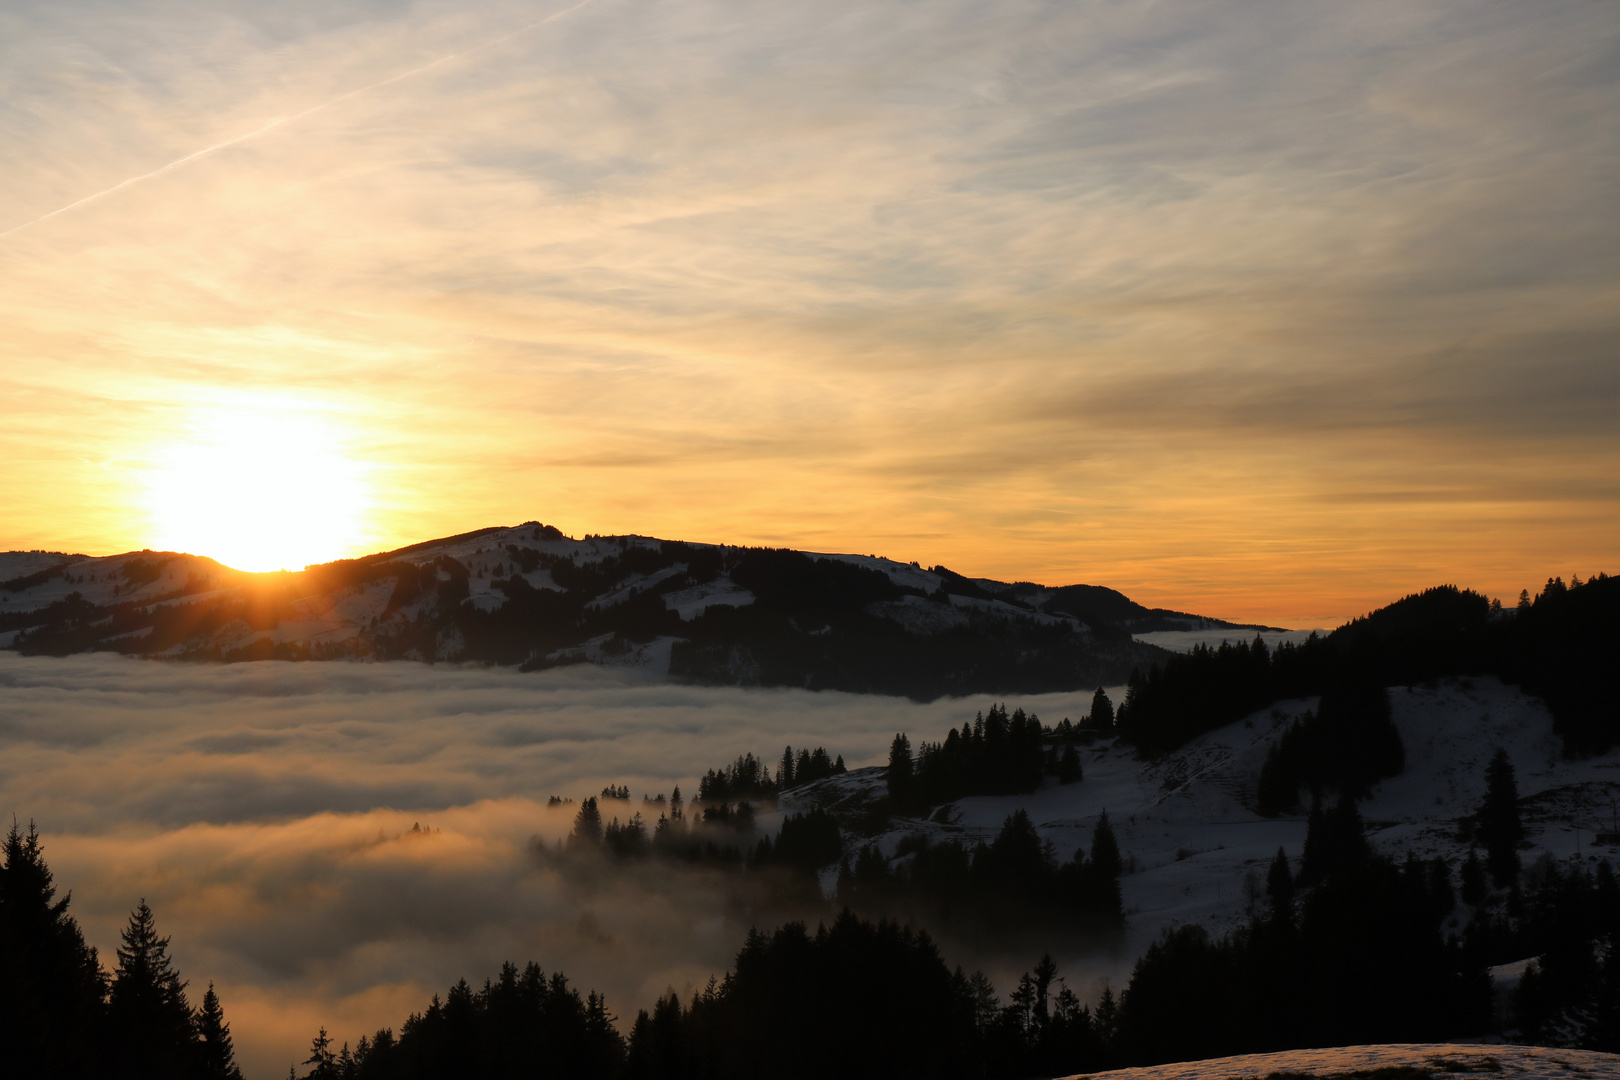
column 531, row 597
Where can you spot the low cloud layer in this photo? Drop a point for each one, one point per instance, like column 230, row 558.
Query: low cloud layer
column 268, row 813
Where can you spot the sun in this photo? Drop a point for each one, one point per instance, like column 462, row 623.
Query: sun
column 259, row 486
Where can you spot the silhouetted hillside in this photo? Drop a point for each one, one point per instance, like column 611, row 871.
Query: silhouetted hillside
column 531, row 597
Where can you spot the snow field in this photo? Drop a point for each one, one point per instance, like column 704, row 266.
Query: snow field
column 1524, row 1062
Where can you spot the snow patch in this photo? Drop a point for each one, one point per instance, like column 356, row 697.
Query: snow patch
column 919, row 615
column 690, row 603
column 649, row 662
column 1525, row 1062
column 634, row 584
column 905, row 575
column 1004, row 610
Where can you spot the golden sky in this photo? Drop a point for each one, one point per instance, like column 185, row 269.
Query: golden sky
column 1264, row 310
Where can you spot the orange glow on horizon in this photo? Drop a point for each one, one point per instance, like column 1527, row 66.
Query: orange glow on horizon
column 1040, row 304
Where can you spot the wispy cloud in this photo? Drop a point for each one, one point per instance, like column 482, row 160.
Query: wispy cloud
column 778, row 269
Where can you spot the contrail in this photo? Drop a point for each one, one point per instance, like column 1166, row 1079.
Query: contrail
column 283, row 120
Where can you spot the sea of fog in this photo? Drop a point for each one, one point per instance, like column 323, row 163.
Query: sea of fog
column 331, row 843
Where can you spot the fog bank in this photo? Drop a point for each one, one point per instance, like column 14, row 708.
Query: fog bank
column 266, row 811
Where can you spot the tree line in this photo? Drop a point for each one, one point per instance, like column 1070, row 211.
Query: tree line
column 1015, row 881
column 750, row 777
column 1347, row 745
column 999, row 753
column 1558, row 645
column 1351, row 951
column 1350, row 947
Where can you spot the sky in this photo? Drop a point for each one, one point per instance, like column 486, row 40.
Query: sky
column 268, row 813
column 1269, row 311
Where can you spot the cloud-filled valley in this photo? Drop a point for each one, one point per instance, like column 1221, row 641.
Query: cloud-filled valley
column 266, row 811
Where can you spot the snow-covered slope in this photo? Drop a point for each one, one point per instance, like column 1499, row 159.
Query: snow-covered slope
column 1437, row 1059
column 529, row 595
column 1195, row 851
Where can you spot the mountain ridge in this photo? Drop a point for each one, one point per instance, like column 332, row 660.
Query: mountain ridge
column 527, row 595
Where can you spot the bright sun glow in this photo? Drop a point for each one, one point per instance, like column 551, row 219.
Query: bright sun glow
column 259, row 487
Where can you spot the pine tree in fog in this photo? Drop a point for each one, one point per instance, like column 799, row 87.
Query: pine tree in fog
column 587, row 826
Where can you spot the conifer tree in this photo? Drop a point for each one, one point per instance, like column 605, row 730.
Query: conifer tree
column 1106, row 1018
column 1101, row 717
column 1069, row 770
column 784, row 771
column 217, row 1055
column 1335, row 840
column 587, row 826
column 1042, row 977
column 322, row 1058
column 1105, row 849
column 52, row 990
column 153, row 1025
column 1500, row 828
column 899, row 777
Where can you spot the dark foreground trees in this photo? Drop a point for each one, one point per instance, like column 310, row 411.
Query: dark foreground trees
column 521, row 1024
column 64, row 1018
column 1348, row 745
column 883, row 989
column 1559, row 647
column 998, row 754
column 1014, row 883
column 1362, row 959
column 1359, row 957
column 852, row 999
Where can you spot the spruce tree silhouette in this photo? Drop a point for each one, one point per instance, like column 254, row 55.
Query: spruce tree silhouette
column 1105, row 849
column 1017, row 857
column 153, row 1029
column 52, row 991
column 1069, row 769
column 321, row 1056
column 1101, row 717
column 587, row 826
column 900, row 768
column 217, row 1055
column 1335, row 841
